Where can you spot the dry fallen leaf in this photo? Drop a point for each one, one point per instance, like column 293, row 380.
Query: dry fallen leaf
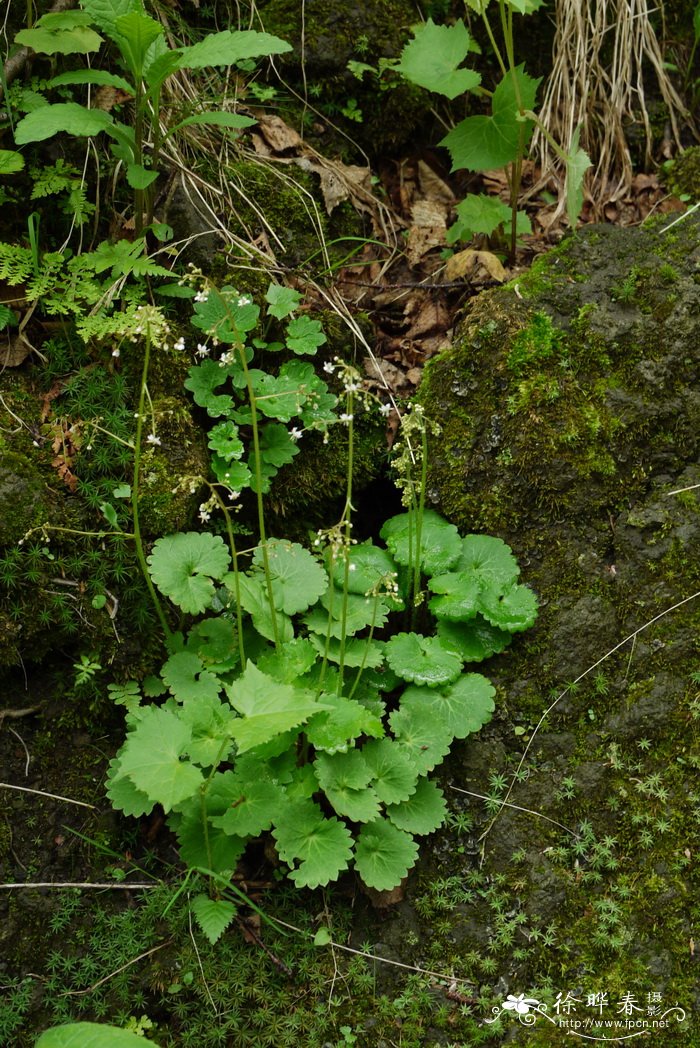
column 467, row 264
column 14, row 351
column 278, row 136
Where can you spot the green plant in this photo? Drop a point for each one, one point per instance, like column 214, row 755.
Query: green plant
column 285, row 711
column 148, row 62
column 90, row 1035
column 478, row 143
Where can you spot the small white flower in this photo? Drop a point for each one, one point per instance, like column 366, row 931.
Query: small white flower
column 226, row 358
column 296, row 434
column 329, row 368
column 385, row 409
column 352, row 387
column 179, row 345
column 352, row 567
column 152, row 439
column 204, row 514
column 202, row 295
column 202, row 350
column 244, row 300
column 346, row 418
column 115, row 351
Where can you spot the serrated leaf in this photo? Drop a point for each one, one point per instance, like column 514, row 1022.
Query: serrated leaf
column 89, row 1035
column 235, row 475
column 474, row 641
column 457, row 595
column 422, row 660
column 282, row 300
column 393, row 777
column 214, row 850
column 105, row 12
column 304, row 335
column 342, row 769
column 462, row 707
column 422, row 737
column 183, row 566
column 360, row 612
column 224, row 440
column 66, row 117
column 478, row 213
column 321, row 846
column 370, row 568
column 276, row 444
column 92, row 76
column 231, row 46
column 440, row 544
column 267, row 707
column 10, row 161
column 432, row 58
column 514, row 610
column 482, row 142
column 211, row 723
column 213, row 915
column 151, row 756
column 214, row 641
column 298, row 580
column 343, row 722
column 384, row 854
column 423, row 812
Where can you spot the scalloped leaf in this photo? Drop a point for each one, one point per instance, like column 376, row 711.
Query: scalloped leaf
column 215, row 850
column 253, row 808
column 186, row 678
column 231, row 46
column 124, row 795
column 322, row 847
column 370, row 568
column 463, row 707
column 151, row 758
column 489, row 559
column 457, row 596
column 224, row 440
column 424, row 738
column 282, row 300
column 298, row 580
column 440, row 544
column 514, row 610
column 422, row 660
column 384, row 854
column 254, row 598
column 68, row 117
column 304, row 335
column 358, row 652
column 342, row 769
column 474, row 641
column 343, row 722
column 214, row 641
column 213, row 915
column 360, row 612
column 290, row 661
column 202, row 380
column 183, row 566
column 393, row 776
column 423, row 812
column 211, row 722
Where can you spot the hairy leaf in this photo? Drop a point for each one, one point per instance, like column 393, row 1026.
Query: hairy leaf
column 432, row 58
column 282, row 300
column 267, row 707
column 92, row 76
column 89, row 1035
column 422, row 737
column 384, row 854
column 321, row 846
column 253, row 808
column 183, row 566
column 423, row 812
column 458, row 595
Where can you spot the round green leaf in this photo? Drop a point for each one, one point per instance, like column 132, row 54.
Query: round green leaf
column 10, row 161
column 514, row 610
column 440, row 544
column 89, row 1035
column 422, row 736
column 321, row 846
column 489, row 560
column 384, row 854
column 370, row 568
column 422, row 660
column 462, row 707
column 423, row 812
column 474, row 641
column 393, row 776
column 457, row 596
column 298, row 580
column 183, row 566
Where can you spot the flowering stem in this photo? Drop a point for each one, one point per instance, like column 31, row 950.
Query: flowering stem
column 346, row 521
column 236, row 580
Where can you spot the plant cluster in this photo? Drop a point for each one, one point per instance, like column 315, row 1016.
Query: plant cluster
column 286, row 710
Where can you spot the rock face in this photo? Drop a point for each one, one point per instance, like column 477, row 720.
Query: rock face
column 570, row 415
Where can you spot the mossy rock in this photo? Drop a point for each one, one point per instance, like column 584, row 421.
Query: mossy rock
column 682, row 176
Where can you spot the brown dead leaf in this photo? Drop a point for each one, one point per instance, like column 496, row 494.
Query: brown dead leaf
column 432, row 186
column 14, row 350
column 384, row 375
column 414, row 375
column 468, row 263
column 107, row 98
column 278, row 136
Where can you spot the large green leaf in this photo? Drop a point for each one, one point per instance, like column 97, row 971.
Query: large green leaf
column 183, row 566
column 252, row 809
column 424, row 738
column 440, row 544
column 135, row 32
column 356, row 652
column 185, row 675
column 461, row 708
column 489, row 559
column 423, row 660
column 290, row 661
column 514, row 610
column 423, row 812
column 151, row 757
column 322, row 847
column 215, row 119
column 360, row 612
column 482, row 142
column 341, row 723
column 214, row 850
column 432, row 58
column 104, row 13
column 231, row 46
column 272, row 624
column 371, row 568
column 92, row 76
column 61, row 33
column 267, row 707
column 10, row 161
column 457, row 596
column 125, row 797
column 384, row 854
column 89, row 1035
column 474, row 641
column 66, row 117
